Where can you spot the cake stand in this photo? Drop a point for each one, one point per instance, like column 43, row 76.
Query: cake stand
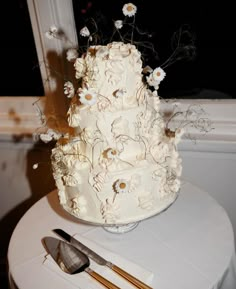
column 120, row 228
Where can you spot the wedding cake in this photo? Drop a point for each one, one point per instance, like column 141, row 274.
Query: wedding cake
column 119, row 164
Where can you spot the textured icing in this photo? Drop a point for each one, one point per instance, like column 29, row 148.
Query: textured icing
column 120, row 164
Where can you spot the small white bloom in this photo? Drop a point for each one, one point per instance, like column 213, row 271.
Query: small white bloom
column 35, row 166
column 121, row 186
column 69, row 89
column 84, row 32
column 129, row 9
column 87, row 96
column 71, row 54
column 118, row 24
column 45, row 137
column 52, row 32
column 80, row 67
column 158, row 74
column 54, row 134
column 152, row 82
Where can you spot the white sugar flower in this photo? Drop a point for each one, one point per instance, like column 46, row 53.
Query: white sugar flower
column 45, row 137
column 80, row 67
column 54, row 134
column 121, row 186
column 84, row 32
column 129, row 9
column 87, row 96
column 152, row 82
column 52, row 32
column 118, row 24
column 69, row 89
column 158, row 74
column 71, row 54
column 35, row 166
column 156, row 77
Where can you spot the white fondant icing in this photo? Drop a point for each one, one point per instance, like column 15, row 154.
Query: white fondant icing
column 120, row 165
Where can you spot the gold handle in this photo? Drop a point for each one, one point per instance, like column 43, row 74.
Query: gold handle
column 101, row 279
column 139, row 284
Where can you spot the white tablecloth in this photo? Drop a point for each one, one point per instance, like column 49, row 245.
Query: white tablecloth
column 189, row 246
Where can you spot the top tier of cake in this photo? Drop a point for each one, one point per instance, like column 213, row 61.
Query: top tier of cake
column 111, row 79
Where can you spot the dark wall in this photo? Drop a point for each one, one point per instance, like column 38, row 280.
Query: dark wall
column 210, row 26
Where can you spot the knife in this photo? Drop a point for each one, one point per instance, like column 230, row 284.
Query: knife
column 100, row 260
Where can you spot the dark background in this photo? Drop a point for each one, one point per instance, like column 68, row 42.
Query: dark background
column 210, row 24
column 20, row 73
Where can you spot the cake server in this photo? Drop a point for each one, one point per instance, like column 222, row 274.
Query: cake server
column 100, row 260
column 72, row 261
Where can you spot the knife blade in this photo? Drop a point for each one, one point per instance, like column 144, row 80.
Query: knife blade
column 100, row 260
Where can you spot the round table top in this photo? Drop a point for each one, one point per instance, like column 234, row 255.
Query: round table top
column 190, row 245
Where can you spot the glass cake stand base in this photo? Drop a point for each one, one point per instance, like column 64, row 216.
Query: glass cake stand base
column 120, row 229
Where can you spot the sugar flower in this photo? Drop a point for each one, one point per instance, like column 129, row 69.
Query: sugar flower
column 129, row 9
column 35, row 166
column 158, row 74
column 52, row 32
column 121, row 186
column 71, row 54
column 80, row 67
column 69, row 89
column 87, row 96
column 54, row 134
column 84, row 32
column 118, row 24
column 156, row 77
column 152, row 82
column 45, row 137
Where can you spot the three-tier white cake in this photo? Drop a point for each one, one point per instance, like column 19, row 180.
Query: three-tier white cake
column 119, row 164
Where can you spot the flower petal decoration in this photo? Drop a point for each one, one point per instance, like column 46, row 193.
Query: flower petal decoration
column 52, row 32
column 121, row 186
column 84, row 32
column 72, row 54
column 118, row 24
column 129, row 9
column 45, row 137
column 69, row 89
column 158, row 74
column 80, row 67
column 88, row 96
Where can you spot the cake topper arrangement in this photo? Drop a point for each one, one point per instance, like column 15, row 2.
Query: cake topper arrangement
column 118, row 163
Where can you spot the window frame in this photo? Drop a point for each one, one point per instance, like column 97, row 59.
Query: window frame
column 24, row 119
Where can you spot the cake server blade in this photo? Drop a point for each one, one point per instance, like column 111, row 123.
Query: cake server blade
column 100, row 260
column 72, row 261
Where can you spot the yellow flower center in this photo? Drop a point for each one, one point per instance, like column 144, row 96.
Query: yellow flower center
column 88, row 96
column 122, row 185
column 129, row 8
column 158, row 73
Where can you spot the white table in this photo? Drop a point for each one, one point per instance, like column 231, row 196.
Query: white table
column 189, row 246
